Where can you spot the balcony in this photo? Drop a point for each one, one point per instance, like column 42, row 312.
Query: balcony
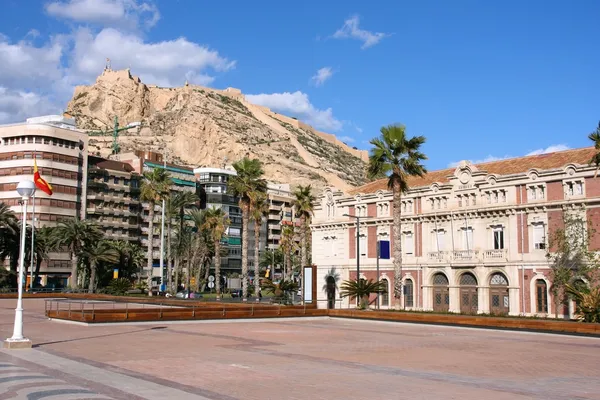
column 465, row 255
column 437, row 256
column 495, row 255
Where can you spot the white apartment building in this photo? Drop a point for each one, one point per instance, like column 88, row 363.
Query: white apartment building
column 61, row 154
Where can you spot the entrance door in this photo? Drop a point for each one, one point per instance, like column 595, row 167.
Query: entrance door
column 330, row 292
column 441, row 293
column 468, row 293
column 499, row 301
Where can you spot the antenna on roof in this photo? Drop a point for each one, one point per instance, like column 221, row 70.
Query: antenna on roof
column 225, row 162
column 107, row 66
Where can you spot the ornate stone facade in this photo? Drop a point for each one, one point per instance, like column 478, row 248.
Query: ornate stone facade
column 474, row 237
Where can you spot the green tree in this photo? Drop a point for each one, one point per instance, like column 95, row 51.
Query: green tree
column 304, row 207
column 569, row 256
column 259, row 209
column 362, row 289
column 131, row 258
column 587, row 300
column 42, row 246
column 176, row 205
column 399, row 157
column 247, row 181
column 155, row 187
column 75, row 234
column 216, row 222
column 96, row 253
column 595, row 138
column 9, row 239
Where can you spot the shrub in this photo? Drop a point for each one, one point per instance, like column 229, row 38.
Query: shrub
column 119, row 287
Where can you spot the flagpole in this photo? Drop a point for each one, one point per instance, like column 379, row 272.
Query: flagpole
column 32, row 242
column 32, row 232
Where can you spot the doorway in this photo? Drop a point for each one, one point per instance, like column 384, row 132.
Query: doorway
column 441, row 293
column 468, row 293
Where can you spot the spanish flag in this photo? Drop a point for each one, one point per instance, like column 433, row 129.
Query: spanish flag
column 40, row 182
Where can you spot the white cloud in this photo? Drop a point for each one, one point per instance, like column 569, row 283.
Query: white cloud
column 40, row 78
column 166, row 63
column 490, row 158
column 25, row 65
column 549, row 149
column 347, row 139
column 351, row 30
column 321, row 76
column 16, row 105
column 298, row 105
column 121, row 13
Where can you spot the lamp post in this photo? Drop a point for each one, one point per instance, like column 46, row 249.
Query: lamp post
column 357, row 218
column 25, row 189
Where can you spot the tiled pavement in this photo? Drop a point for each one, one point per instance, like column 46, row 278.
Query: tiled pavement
column 292, row 359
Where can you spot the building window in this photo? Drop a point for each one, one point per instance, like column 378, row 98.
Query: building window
column 409, row 243
column 468, row 238
column 408, row 293
column 574, row 188
column 439, row 239
column 539, row 237
column 459, row 201
column 541, row 296
column 498, row 238
column 385, row 296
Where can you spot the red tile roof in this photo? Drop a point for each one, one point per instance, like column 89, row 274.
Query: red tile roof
column 508, row 166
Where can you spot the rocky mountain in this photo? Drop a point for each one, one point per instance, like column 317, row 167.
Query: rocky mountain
column 198, row 126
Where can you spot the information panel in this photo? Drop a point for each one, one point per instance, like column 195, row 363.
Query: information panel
column 307, row 283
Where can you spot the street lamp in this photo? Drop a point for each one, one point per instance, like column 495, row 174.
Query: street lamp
column 357, row 217
column 25, row 189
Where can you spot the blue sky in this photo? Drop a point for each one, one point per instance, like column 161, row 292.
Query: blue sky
column 480, row 79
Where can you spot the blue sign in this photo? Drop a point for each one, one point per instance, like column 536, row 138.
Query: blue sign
column 384, row 249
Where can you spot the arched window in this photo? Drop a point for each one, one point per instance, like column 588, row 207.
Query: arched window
column 385, row 296
column 541, row 296
column 408, row 293
column 499, row 296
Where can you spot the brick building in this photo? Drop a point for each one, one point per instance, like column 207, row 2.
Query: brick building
column 474, row 236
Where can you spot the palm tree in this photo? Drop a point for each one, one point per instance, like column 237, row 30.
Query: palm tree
column 43, row 246
column 216, row 223
column 595, row 137
column 303, row 204
column 131, row 257
column 362, row 289
column 398, row 157
column 95, row 253
column 176, row 205
column 587, row 300
column 243, row 185
column 9, row 236
column 155, row 186
column 74, row 234
column 288, row 246
column 258, row 208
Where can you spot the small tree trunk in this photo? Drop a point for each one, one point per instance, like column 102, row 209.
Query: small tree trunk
column 303, row 247
column 256, row 259
column 245, row 221
column 74, row 262
column 397, row 232
column 150, row 247
column 217, row 268
column 206, row 275
column 38, row 265
column 169, row 265
column 92, row 286
column 176, row 274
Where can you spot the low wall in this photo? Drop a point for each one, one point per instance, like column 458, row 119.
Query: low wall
column 526, row 324
column 180, row 313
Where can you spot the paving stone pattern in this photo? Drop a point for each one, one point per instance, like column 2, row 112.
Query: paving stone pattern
column 292, row 359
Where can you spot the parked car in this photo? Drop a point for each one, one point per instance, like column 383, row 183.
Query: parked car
column 185, row 294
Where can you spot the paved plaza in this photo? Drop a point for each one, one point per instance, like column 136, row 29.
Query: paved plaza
column 291, row 359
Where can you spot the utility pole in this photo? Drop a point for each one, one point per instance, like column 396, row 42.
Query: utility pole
column 357, row 218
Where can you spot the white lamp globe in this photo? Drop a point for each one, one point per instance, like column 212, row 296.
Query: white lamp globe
column 26, row 189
